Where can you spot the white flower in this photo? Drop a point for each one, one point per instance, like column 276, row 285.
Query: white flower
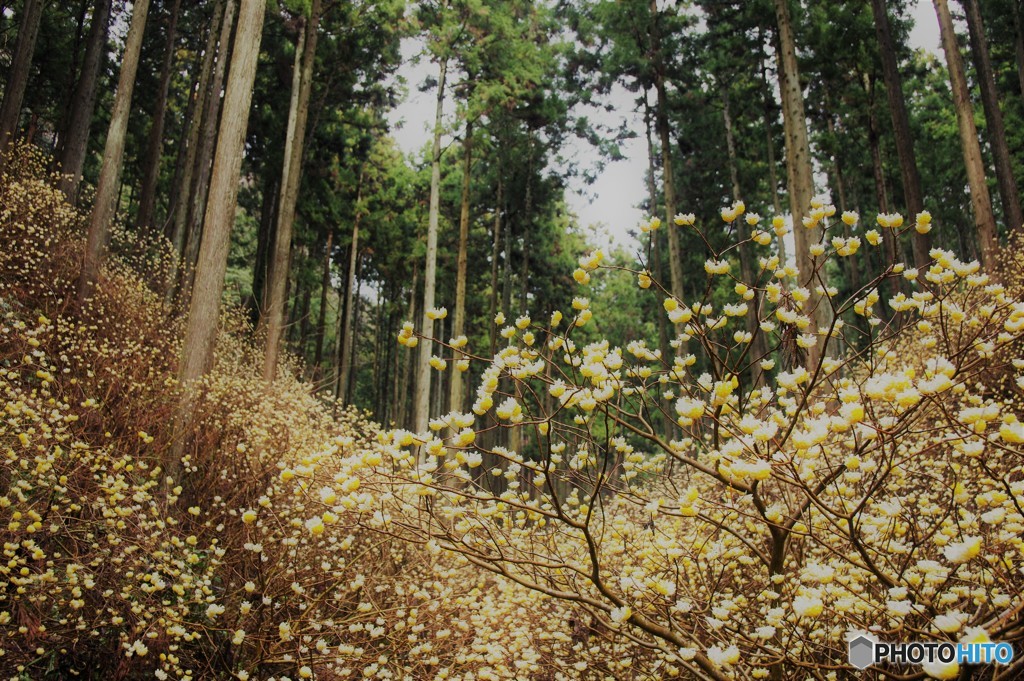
column 721, row 657
column 963, row 551
column 620, row 615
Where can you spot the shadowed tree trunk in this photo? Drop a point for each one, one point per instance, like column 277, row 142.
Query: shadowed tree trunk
column 204, row 307
column 83, row 102
column 798, row 170
column 107, row 189
column 17, row 75
column 155, row 140
column 201, row 174
column 675, row 262
column 981, row 202
column 347, row 329
column 758, row 348
column 912, row 192
column 321, row 325
column 455, row 385
column 995, row 129
column 421, row 403
column 302, row 85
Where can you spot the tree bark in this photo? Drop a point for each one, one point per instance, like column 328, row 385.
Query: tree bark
column 1018, row 44
column 675, row 262
column 912, row 191
column 798, row 170
column 17, row 75
column 204, row 309
column 83, row 103
column 321, row 325
column 984, row 220
column 113, row 157
column 302, row 85
column 345, row 361
column 421, row 404
column 188, row 155
column 155, row 140
column 495, row 252
column 455, row 385
column 995, row 129
column 197, row 203
column 758, row 347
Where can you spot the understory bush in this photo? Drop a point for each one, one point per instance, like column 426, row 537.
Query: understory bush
column 602, row 512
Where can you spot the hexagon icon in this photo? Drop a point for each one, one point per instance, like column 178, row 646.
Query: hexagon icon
column 862, row 652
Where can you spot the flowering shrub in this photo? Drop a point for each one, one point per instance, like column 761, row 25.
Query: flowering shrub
column 270, row 559
column 855, row 477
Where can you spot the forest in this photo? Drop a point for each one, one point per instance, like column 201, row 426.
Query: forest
column 284, row 399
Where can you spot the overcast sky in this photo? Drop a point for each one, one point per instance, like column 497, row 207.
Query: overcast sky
column 610, row 203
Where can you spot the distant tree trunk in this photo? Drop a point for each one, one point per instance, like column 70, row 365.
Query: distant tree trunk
column 495, row 252
column 345, row 365
column 455, row 385
column 773, row 179
column 353, row 359
column 657, row 268
column 302, row 85
column 407, row 383
column 675, row 261
column 204, row 309
column 995, row 129
column 264, row 243
column 113, row 157
column 17, row 75
column 758, row 347
column 197, row 203
column 421, row 404
column 984, row 220
column 798, row 167
column 912, row 191
column 321, row 325
column 188, row 155
column 524, row 260
column 155, row 139
column 1018, row 44
column 75, row 140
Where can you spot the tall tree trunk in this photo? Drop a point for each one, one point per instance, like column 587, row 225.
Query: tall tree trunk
column 455, row 385
column 113, row 157
column 407, row 384
column 302, row 85
column 201, row 174
column 773, row 179
column 17, row 75
column 321, row 325
column 353, row 359
column 995, row 129
column 264, row 243
column 912, row 191
column 421, row 405
column 347, row 329
column 155, row 140
column 657, row 268
column 185, row 185
column 675, row 261
column 1018, row 43
column 984, row 220
column 527, row 222
column 76, row 135
column 798, row 170
column 204, row 308
column 495, row 252
column 758, row 347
